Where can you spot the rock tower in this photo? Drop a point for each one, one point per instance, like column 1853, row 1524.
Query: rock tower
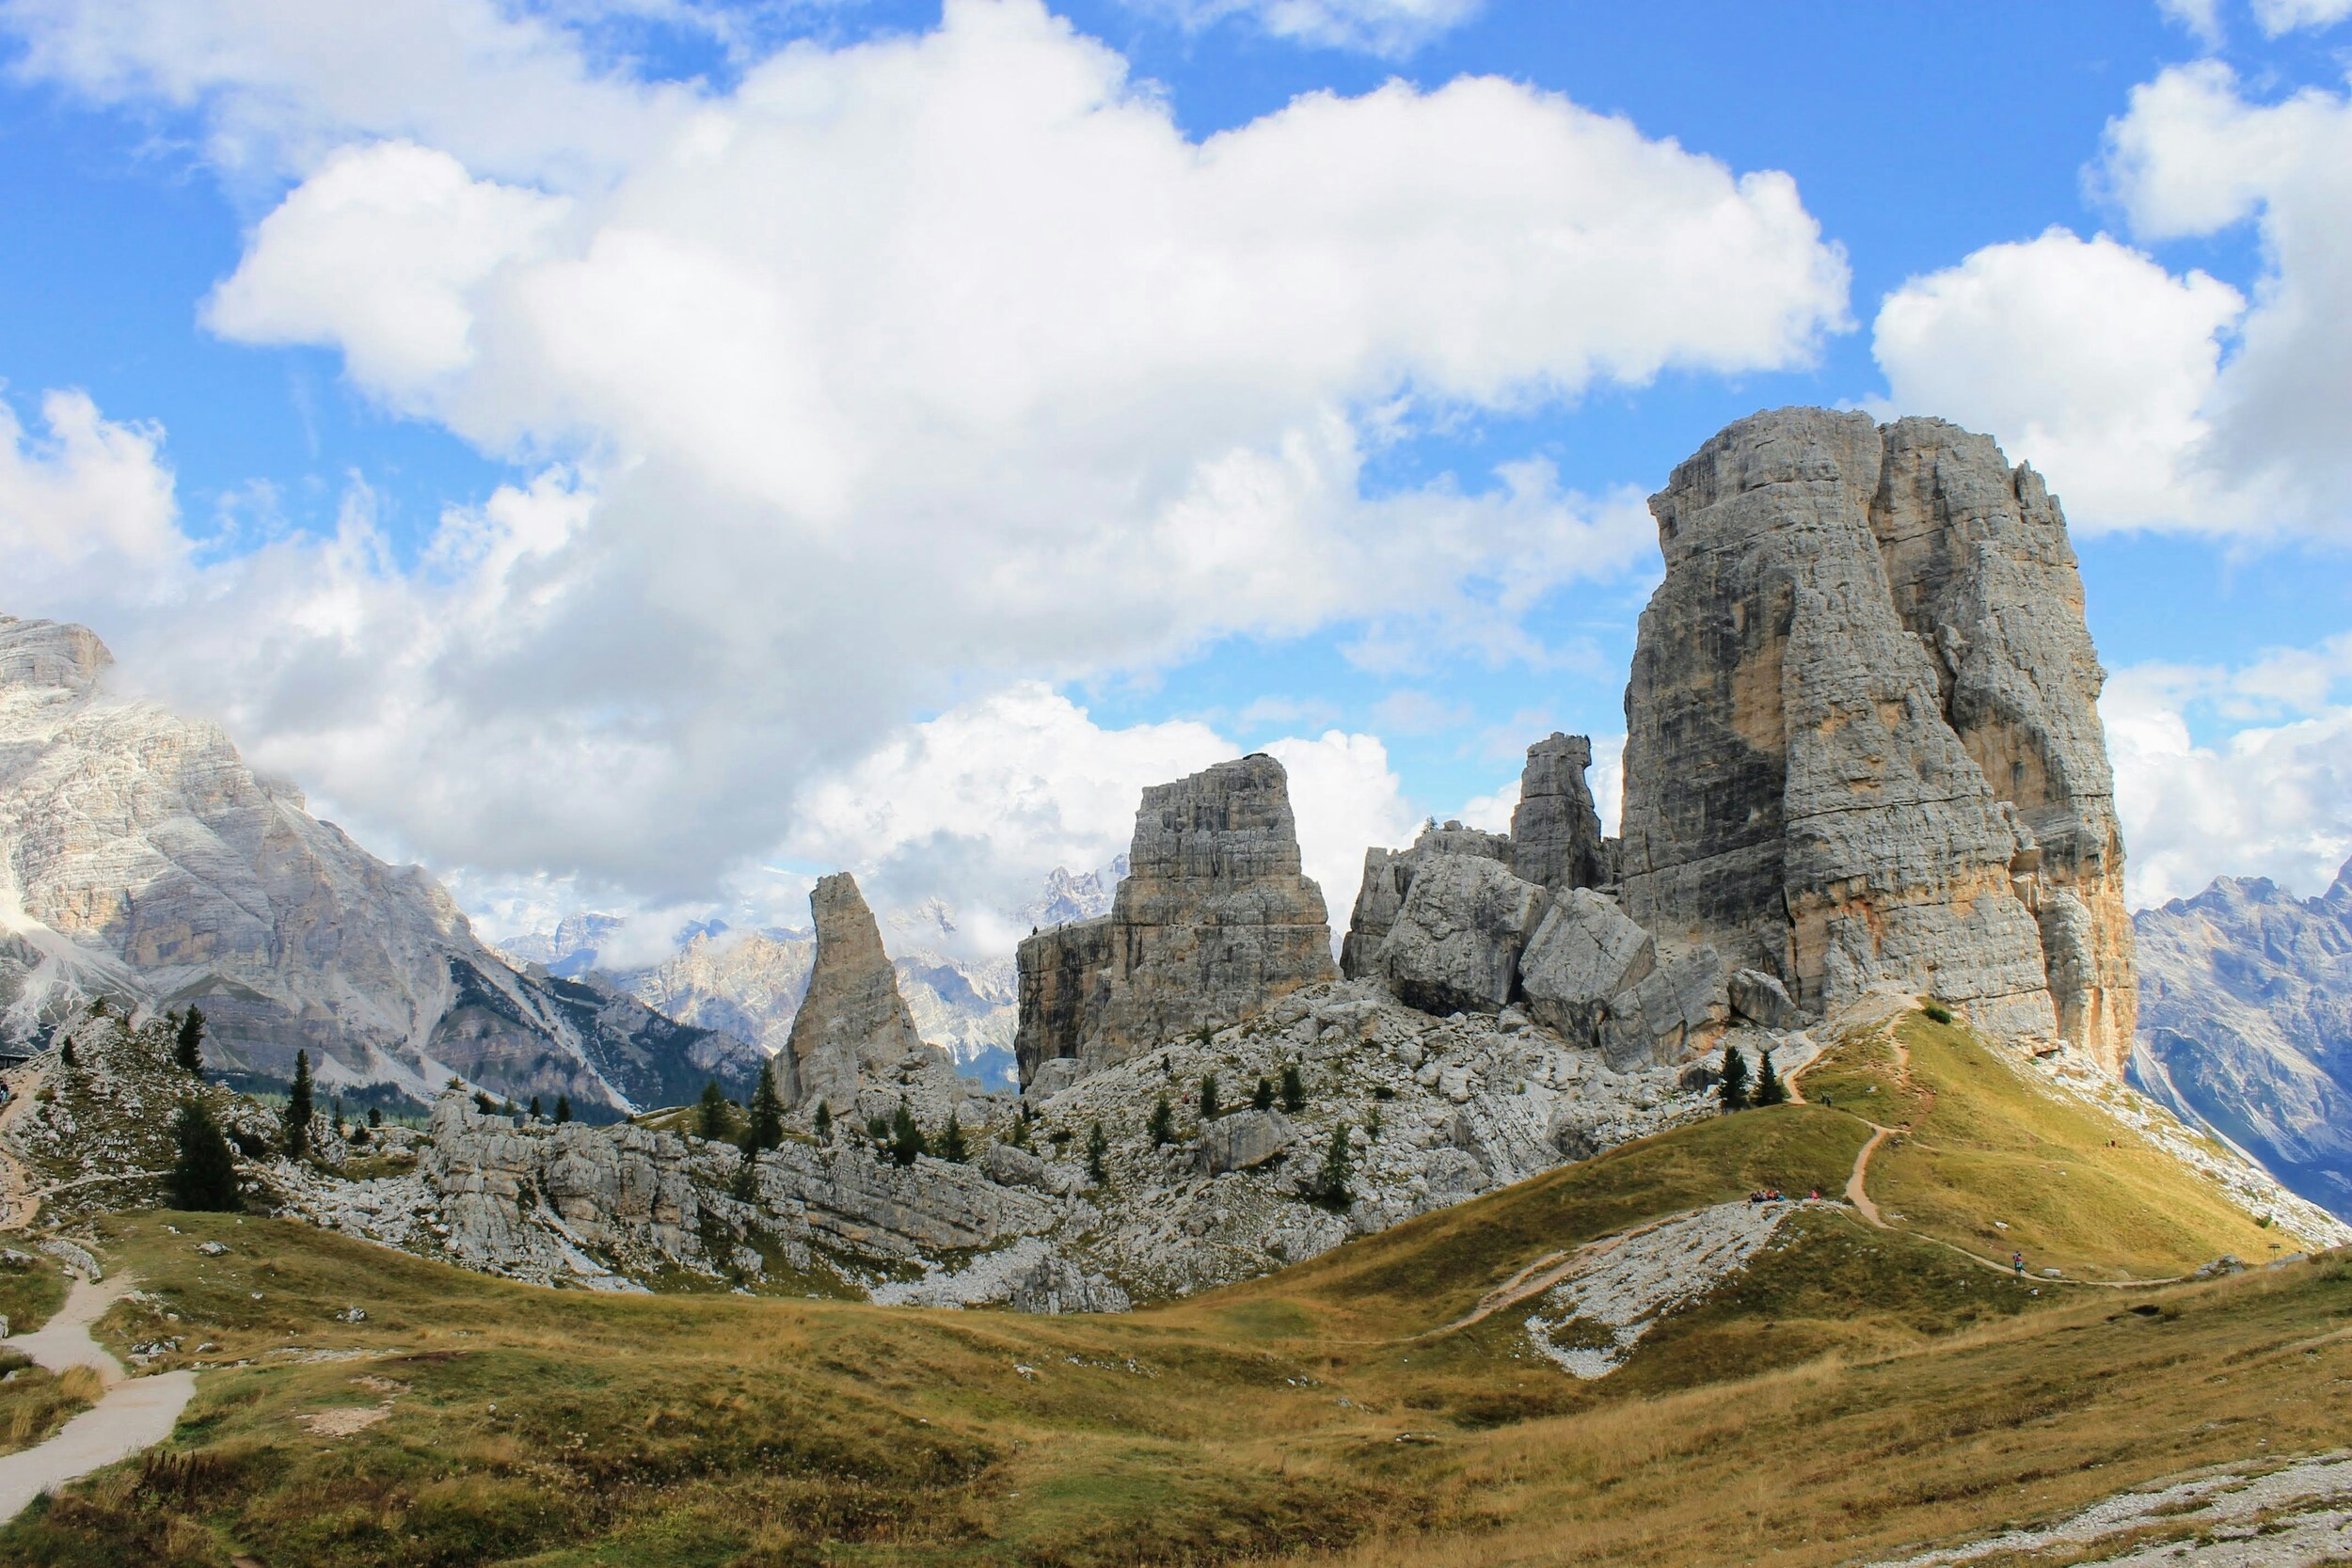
column 853, row 1023
column 1214, row 920
column 1862, row 740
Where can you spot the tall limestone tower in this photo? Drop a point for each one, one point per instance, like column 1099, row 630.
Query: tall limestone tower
column 1863, row 735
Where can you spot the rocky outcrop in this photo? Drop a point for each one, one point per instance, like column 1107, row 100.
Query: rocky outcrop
column 853, row 1035
column 1244, row 1140
column 1856, row 625
column 1214, row 920
column 1555, row 830
column 1455, row 944
column 1584, row 955
column 1387, row 881
column 141, row 859
column 2246, row 1024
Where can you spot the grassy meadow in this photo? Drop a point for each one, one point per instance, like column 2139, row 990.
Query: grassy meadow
column 1851, row 1392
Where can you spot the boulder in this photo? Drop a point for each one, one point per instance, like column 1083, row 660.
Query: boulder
column 1555, row 830
column 1457, row 941
column 1677, row 1009
column 1244, row 1140
column 1584, row 953
column 1389, row 877
column 1759, row 998
column 1012, row 1167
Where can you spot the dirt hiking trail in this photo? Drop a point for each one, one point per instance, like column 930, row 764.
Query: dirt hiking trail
column 133, row 1414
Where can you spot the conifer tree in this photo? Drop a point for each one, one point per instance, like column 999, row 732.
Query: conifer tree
column 1098, row 1150
column 824, row 1122
column 337, row 1117
column 765, row 1129
column 65, row 1054
column 1162, row 1126
column 746, row 1183
column 951, row 1144
column 187, row 1045
column 1262, row 1097
column 204, row 1173
column 907, row 1144
column 1338, row 1166
column 298, row 1108
column 1770, row 1090
column 1208, row 1097
column 1734, row 1089
column 563, row 1109
column 534, row 1108
column 376, row 1116
column 1294, row 1089
column 1021, row 1120
column 710, row 1113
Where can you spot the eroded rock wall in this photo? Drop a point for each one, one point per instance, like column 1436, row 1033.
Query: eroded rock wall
column 853, row 1021
column 1555, row 830
column 1854, row 625
column 1214, row 920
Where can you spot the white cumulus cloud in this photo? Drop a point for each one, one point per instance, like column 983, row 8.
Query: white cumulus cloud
column 2267, row 794
column 87, row 509
column 1388, row 27
column 891, row 375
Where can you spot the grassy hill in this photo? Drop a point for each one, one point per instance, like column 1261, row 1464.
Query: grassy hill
column 1851, row 1391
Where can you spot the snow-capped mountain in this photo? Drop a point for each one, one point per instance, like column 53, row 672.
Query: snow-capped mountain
column 142, row 861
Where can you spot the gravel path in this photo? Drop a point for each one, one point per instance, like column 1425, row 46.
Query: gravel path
column 134, row 1412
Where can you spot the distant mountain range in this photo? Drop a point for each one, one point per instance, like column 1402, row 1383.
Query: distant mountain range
column 141, row 861
column 750, row 984
column 2246, row 1024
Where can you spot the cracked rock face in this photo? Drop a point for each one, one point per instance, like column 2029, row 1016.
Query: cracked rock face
column 1214, row 920
column 1457, row 941
column 852, row 1024
column 1583, row 954
column 1389, row 881
column 1861, row 697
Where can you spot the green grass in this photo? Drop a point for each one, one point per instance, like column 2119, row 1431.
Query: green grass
column 29, row 1292
column 1851, row 1391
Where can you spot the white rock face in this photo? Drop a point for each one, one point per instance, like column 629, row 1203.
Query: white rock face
column 1583, row 954
column 1456, row 940
column 140, row 858
column 1624, row 1285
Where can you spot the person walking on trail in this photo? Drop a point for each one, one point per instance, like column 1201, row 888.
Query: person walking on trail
column 2017, row 1259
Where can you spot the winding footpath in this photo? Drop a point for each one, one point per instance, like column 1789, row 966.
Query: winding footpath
column 134, row 1412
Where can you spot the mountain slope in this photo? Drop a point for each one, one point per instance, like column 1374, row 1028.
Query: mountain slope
column 1835, row 1394
column 141, row 859
column 2246, row 1022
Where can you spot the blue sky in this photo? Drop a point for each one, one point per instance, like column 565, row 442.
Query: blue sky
column 641, row 454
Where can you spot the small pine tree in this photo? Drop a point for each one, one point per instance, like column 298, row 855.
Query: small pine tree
column 1734, row 1088
column 535, row 1112
column 376, row 1116
column 710, row 1113
column 764, row 1128
column 338, row 1118
column 1294, row 1089
column 907, row 1144
column 563, row 1109
column 1338, row 1166
column 65, row 1054
column 1163, row 1123
column 1770, row 1090
column 204, row 1173
column 187, row 1043
column 951, row 1144
column 1098, row 1152
column 1262, row 1097
column 824, row 1122
column 878, row 1130
column 1021, row 1120
column 1208, row 1097
column 746, row 1183
column 298, row 1108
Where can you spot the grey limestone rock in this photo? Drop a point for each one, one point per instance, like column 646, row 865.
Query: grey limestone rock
column 1862, row 683
column 1555, row 830
column 1389, row 877
column 1214, row 921
column 853, row 1021
column 1583, row 954
column 1012, row 1167
column 1675, row 1009
column 1457, row 941
column 150, row 863
column 1762, row 999
column 1244, row 1140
